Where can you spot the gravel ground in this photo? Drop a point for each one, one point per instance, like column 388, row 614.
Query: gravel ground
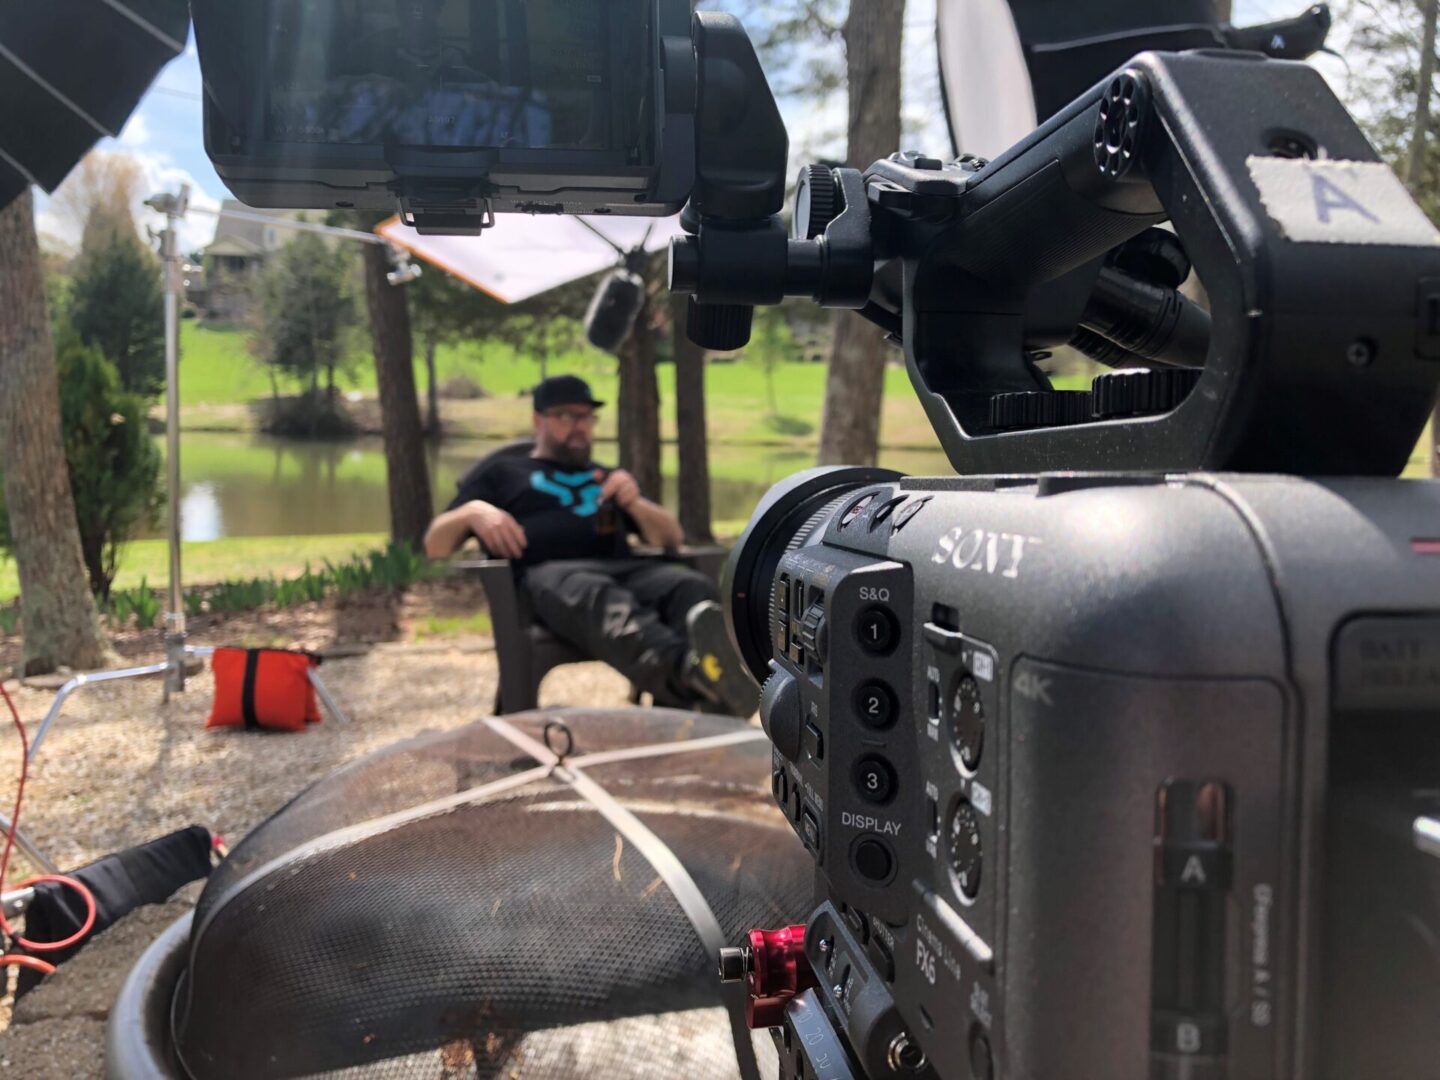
column 119, row 767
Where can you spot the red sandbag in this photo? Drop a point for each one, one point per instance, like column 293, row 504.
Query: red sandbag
column 263, row 688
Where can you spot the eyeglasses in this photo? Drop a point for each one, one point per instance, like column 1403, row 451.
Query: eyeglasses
column 571, row 417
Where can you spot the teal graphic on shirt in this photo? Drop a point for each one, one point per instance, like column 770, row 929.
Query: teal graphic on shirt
column 555, row 503
column 578, row 491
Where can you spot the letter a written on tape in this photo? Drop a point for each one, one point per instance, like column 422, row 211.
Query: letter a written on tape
column 1194, row 872
column 1328, row 197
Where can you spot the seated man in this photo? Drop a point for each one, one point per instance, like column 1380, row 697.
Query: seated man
column 562, row 519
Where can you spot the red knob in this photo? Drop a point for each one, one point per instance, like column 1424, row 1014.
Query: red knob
column 778, row 970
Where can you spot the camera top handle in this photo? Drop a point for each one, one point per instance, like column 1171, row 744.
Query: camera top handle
column 1323, row 276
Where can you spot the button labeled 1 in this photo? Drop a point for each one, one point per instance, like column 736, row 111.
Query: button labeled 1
column 877, row 630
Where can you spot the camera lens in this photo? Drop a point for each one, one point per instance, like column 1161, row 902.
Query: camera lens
column 792, row 515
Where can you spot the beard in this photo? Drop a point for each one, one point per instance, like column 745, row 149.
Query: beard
column 572, row 456
column 568, row 454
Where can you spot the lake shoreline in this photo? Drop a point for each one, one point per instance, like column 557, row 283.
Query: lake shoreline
column 459, row 430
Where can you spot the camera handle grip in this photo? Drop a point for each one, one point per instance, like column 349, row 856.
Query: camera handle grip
column 1323, row 276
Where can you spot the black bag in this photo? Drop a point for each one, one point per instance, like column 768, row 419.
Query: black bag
column 147, row 874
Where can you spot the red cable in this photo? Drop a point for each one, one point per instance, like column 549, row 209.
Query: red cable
column 11, row 959
column 34, row 963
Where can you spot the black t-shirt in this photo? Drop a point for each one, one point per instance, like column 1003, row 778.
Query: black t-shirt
column 557, row 505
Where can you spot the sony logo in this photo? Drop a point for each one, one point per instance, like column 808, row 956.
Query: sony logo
column 983, row 551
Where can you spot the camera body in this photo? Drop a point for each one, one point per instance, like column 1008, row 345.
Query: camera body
column 1097, row 769
column 1106, row 774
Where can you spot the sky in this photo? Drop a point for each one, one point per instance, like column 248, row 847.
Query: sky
column 165, row 134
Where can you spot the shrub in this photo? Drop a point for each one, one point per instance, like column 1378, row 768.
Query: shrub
column 308, row 416
column 462, row 388
column 117, row 306
column 141, row 603
column 114, row 464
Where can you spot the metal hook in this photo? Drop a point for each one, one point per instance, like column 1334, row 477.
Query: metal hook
column 561, row 726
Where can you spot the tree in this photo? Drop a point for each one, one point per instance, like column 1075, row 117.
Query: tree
column 1391, row 90
column 690, row 430
column 447, row 310
column 637, row 420
column 855, row 384
column 100, row 196
column 305, row 315
column 116, row 305
column 114, row 464
column 438, row 304
column 799, row 44
column 770, row 341
column 407, row 480
column 61, row 625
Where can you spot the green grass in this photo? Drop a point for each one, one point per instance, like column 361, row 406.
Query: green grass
column 217, row 368
column 219, row 378
column 220, row 560
column 437, row 626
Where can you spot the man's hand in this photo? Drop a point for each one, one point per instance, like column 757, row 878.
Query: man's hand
column 620, row 488
column 499, row 532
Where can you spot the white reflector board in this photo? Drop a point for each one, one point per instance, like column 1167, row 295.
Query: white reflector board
column 523, row 255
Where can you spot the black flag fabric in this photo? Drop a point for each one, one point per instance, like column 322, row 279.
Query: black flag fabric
column 72, row 72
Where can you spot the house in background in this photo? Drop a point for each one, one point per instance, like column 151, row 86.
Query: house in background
column 234, row 260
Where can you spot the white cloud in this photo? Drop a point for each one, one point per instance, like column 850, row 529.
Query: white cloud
column 136, row 132
column 159, row 174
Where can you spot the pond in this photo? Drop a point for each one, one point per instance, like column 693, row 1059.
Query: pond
column 243, row 485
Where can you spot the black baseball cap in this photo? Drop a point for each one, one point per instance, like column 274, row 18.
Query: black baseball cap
column 563, row 390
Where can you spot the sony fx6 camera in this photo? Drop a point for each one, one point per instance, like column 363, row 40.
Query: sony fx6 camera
column 1117, row 753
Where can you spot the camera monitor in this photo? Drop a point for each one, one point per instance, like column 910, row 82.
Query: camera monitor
column 457, row 108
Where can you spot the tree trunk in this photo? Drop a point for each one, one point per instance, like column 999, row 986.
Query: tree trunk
column 406, row 478
column 638, row 413
column 850, row 423
column 432, row 391
column 314, row 402
column 1415, row 167
column 691, row 434
column 61, row 626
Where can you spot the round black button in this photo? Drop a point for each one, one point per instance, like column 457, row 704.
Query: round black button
column 877, row 630
column 982, row 1063
column 872, row 859
column 967, row 721
column 874, row 779
column 875, row 704
column 965, row 849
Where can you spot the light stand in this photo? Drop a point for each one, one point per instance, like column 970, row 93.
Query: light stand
column 177, row 651
column 173, row 207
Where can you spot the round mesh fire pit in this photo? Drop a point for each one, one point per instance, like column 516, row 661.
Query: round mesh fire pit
column 457, row 906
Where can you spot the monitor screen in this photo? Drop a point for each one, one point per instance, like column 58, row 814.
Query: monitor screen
column 516, row 74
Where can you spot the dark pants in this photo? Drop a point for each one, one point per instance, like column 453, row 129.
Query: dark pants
column 629, row 613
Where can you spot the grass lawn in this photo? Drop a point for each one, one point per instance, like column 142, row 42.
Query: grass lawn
column 744, row 404
column 203, row 563
column 217, row 368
